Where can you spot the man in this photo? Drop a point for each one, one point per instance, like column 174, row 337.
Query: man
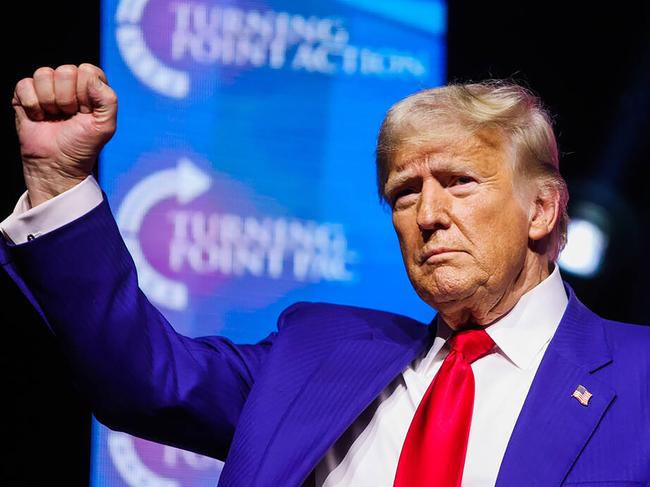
column 517, row 383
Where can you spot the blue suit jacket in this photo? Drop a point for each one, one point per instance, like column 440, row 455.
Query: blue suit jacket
column 274, row 408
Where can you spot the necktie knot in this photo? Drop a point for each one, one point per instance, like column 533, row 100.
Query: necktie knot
column 472, row 344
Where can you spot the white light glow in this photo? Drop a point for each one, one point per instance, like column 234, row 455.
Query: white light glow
column 585, row 249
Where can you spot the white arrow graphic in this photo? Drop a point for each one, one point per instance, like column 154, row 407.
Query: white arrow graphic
column 128, row 463
column 145, row 66
column 185, row 182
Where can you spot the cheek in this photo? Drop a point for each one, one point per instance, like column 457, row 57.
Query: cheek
column 507, row 238
column 407, row 231
column 498, row 232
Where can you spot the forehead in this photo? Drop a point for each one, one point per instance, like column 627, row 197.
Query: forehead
column 483, row 151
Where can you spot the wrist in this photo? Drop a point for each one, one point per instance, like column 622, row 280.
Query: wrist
column 42, row 187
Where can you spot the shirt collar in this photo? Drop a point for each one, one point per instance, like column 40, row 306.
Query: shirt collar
column 522, row 332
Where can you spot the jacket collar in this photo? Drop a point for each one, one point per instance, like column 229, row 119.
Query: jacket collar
column 553, row 426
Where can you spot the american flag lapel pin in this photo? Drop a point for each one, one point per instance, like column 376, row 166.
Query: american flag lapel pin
column 582, row 395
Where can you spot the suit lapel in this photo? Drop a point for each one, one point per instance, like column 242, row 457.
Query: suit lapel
column 553, row 427
column 347, row 381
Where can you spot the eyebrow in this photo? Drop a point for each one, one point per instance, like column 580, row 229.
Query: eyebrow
column 411, row 161
column 398, row 180
column 403, row 173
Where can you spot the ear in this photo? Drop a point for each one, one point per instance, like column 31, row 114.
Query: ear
column 544, row 212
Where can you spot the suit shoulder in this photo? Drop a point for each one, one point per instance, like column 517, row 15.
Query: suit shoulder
column 318, row 315
column 319, row 310
column 628, row 337
column 625, row 329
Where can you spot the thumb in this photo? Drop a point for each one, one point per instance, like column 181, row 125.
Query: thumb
column 19, row 110
column 102, row 99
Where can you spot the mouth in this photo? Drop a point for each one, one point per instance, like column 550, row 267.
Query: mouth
column 436, row 253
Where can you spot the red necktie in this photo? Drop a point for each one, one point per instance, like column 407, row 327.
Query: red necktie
column 434, row 450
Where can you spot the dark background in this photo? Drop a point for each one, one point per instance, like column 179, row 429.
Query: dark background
column 589, row 63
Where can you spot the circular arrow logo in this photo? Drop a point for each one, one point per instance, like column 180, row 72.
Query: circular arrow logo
column 148, row 68
column 142, row 463
column 185, row 182
column 199, row 236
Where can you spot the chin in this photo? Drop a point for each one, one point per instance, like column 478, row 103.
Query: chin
column 445, row 286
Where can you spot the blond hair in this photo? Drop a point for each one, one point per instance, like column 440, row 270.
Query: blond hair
column 518, row 114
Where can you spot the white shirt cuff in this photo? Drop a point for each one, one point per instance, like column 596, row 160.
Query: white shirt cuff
column 27, row 223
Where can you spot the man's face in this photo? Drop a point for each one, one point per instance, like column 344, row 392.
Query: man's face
column 462, row 219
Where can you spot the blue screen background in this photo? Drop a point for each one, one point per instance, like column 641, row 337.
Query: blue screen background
column 242, row 172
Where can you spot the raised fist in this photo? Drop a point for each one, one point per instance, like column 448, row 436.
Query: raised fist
column 64, row 116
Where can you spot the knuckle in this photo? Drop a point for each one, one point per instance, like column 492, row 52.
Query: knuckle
column 23, row 85
column 90, row 69
column 66, row 70
column 43, row 72
column 87, row 67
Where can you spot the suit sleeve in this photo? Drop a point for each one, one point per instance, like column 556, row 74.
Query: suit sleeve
column 26, row 222
column 138, row 373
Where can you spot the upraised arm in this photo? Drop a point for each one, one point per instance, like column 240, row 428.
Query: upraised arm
column 138, row 373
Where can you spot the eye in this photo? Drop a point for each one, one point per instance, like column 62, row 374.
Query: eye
column 402, row 196
column 403, row 192
column 461, row 180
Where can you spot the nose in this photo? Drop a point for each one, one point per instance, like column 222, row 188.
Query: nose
column 433, row 210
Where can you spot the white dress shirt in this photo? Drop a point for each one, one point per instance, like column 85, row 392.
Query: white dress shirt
column 367, row 454
column 26, row 222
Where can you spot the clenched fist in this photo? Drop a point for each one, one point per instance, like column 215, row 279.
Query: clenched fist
column 64, row 116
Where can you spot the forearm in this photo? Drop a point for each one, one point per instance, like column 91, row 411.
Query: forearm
column 140, row 375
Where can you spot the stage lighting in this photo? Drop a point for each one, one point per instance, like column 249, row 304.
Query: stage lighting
column 588, row 238
column 585, row 249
